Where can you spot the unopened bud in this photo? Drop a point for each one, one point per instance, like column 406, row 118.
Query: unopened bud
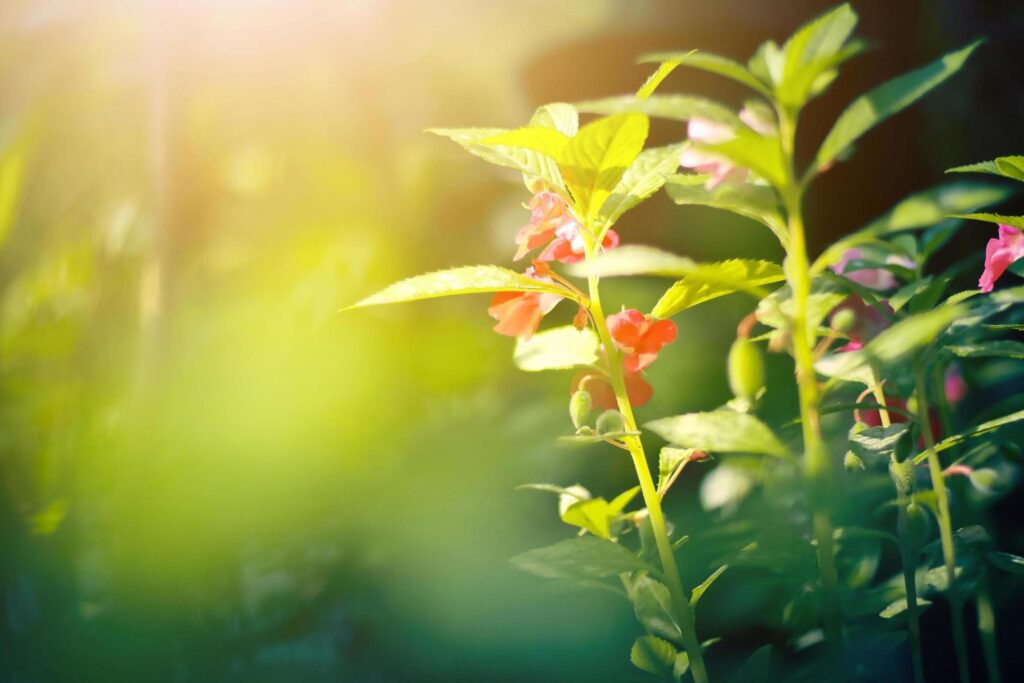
column 746, row 369
column 844, row 320
column 984, row 479
column 580, row 406
column 902, row 473
column 581, row 319
column 610, row 421
column 852, row 462
column 918, row 526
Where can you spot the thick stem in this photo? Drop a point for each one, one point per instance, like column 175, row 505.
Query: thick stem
column 908, row 553
column 817, row 464
column 945, row 527
column 680, row 601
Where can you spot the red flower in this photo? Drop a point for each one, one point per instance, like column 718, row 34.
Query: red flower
column 553, row 224
column 640, row 337
column 603, row 395
column 519, row 313
column 868, row 321
column 999, row 254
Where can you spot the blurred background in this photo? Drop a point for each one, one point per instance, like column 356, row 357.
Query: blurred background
column 210, row 475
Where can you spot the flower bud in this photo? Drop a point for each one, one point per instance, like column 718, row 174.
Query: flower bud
column 580, row 406
column 610, row 421
column 844, row 320
column 918, row 525
column 902, row 473
column 746, row 369
column 984, row 479
column 852, row 462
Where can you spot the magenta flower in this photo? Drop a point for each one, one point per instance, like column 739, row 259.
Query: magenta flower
column 999, row 254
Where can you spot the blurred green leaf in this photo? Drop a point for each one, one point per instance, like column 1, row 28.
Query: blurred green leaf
column 548, row 141
column 1012, row 221
column 1013, row 564
column 757, row 668
column 875, row 443
column 558, row 348
column 719, row 431
column 898, row 607
column 533, row 164
column 586, row 557
column 653, row 655
column 762, row 154
column 887, row 99
column 634, row 259
column 999, row 349
column 712, row 280
column 674, row 107
column 750, row 201
column 666, row 67
column 706, row 61
column 559, row 116
column 461, row 280
column 814, row 49
column 652, row 602
column 669, row 460
column 700, row 589
column 973, row 432
column 12, row 171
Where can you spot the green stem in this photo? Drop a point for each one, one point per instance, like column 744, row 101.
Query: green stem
column 987, row 628
column 908, row 553
column 945, row 527
column 817, row 464
column 680, row 601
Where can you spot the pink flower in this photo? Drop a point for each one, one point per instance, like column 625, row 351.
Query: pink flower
column 757, row 121
column 704, row 131
column 873, row 278
column 519, row 313
column 868, row 321
column 640, row 337
column 999, row 254
column 553, row 224
column 954, row 384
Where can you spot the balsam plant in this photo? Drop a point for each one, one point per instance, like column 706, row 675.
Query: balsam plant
column 880, row 352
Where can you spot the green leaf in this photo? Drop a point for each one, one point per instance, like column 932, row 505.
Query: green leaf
column 973, row 432
column 559, row 116
column 548, row 141
column 660, row 74
column 875, row 443
column 698, row 591
column 710, row 281
column 586, row 557
column 887, row 99
column 643, row 178
column 653, row 655
column 634, row 259
column 1006, row 167
column 592, row 515
column 813, row 51
column 559, row 348
column 1013, row 564
column 767, row 63
column 594, row 161
column 653, row 605
column 706, row 61
column 1012, row 221
column 719, row 431
column 461, row 280
column 620, row 501
column 990, row 349
column 898, row 607
column 533, row 165
column 762, row 154
column 757, row 668
column 673, row 107
column 669, row 460
column 750, row 201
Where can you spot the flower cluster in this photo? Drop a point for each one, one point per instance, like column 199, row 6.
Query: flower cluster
column 1000, row 253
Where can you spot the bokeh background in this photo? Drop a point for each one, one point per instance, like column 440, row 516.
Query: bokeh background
column 210, row 475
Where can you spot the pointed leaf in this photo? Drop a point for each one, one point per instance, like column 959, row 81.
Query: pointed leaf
column 750, row 201
column 1012, row 221
column 698, row 591
column 634, row 259
column 898, row 607
column 548, row 141
column 533, row 164
column 712, row 280
column 719, row 431
column 461, row 280
column 669, row 460
column 643, row 178
column 652, row 602
column 620, row 501
column 973, row 432
column 706, row 61
column 1005, row 348
column 762, row 154
column 815, row 48
column 653, row 655
column 585, row 557
column 674, row 107
column 559, row 348
column 660, row 74
column 594, row 161
column 889, row 98
column 591, row 515
column 1007, row 167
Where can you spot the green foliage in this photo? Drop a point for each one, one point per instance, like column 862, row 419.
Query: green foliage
column 558, row 348
column 652, row 603
column 811, row 55
column 1005, row 348
column 887, row 99
column 703, row 586
column 462, row 280
column 634, row 259
column 710, row 281
column 642, row 178
column 654, row 656
column 706, row 61
column 720, row 431
column 534, row 165
column 586, row 557
column 750, row 201
column 672, row 107
column 1012, row 221
column 1007, row 167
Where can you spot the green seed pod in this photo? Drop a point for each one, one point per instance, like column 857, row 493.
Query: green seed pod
column 984, row 479
column 902, row 474
column 852, row 462
column 580, row 406
column 918, row 525
column 746, row 369
column 844, row 320
column 610, row 421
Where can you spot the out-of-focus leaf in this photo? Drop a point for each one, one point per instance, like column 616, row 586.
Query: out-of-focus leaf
column 595, row 160
column 723, row 66
column 887, row 99
column 666, row 67
column 750, row 201
column 973, row 432
column 461, row 280
column 712, row 280
column 652, row 602
column 12, row 171
column 586, row 557
column 653, row 655
column 533, row 164
column 634, row 259
column 813, row 49
column 757, row 668
column 875, row 443
column 1007, row 562
column 725, row 486
column 1012, row 221
column 674, row 107
column 898, row 607
column 762, row 154
column 719, row 431
column 643, row 178
column 1000, row 349
column 700, row 589
column 556, row 349
column 560, row 116
column 549, row 141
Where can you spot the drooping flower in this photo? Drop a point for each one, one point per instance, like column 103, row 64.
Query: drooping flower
column 704, row 131
column 603, row 395
column 999, row 254
column 519, row 313
column 553, row 224
column 873, row 278
column 640, row 337
column 868, row 321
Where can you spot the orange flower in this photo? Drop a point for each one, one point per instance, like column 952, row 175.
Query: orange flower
column 603, row 395
column 519, row 313
column 640, row 337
